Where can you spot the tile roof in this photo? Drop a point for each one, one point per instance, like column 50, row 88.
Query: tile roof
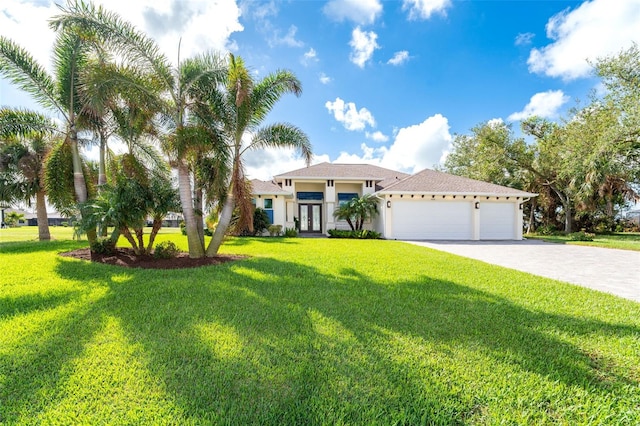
column 431, row 181
column 266, row 187
column 345, row 171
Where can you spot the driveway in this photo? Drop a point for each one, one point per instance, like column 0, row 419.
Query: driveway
column 609, row 270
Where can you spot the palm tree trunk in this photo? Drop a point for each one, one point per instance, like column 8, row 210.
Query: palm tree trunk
column 79, row 183
column 197, row 205
column 43, row 220
column 196, row 247
column 102, row 174
column 157, row 224
column 127, row 234
column 223, row 225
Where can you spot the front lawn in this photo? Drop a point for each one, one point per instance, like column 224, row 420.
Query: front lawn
column 620, row 240
column 308, row 331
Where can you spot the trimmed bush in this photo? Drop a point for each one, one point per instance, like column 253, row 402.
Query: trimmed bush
column 362, row 234
column 103, row 246
column 275, row 230
column 166, row 250
column 290, row 232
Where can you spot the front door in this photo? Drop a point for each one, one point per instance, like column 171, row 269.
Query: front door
column 310, row 217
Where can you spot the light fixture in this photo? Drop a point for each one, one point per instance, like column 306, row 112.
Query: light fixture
column 520, row 206
column 477, row 204
column 388, row 204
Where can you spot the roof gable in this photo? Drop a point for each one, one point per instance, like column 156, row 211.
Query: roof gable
column 344, row 171
column 434, row 182
column 266, row 187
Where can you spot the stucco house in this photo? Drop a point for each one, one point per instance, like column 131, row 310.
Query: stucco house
column 428, row 205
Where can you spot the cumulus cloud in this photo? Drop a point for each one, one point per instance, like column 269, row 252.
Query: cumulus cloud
column 265, row 163
column 414, row 148
column 594, row 29
column 363, row 44
column 309, row 57
column 544, row 105
column 524, row 39
column 357, row 11
column 289, row 39
column 399, row 58
column 423, row 9
column 324, row 79
column 377, row 136
column 351, row 117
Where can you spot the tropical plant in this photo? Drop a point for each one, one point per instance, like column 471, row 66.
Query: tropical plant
column 172, row 93
column 13, row 218
column 57, row 92
column 234, row 113
column 24, row 144
column 357, row 210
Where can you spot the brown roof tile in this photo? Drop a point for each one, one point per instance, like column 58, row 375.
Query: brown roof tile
column 431, row 181
column 345, row 171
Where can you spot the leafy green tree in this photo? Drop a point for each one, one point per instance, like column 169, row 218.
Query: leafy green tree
column 357, row 210
column 235, row 113
column 13, row 218
column 24, row 145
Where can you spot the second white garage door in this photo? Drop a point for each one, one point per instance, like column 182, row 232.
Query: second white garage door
column 497, row 221
column 432, row 220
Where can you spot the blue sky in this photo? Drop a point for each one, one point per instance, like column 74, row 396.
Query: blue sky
column 384, row 82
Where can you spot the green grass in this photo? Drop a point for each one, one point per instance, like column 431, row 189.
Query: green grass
column 308, row 331
column 623, row 241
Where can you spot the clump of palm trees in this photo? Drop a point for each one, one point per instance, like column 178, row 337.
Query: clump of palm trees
column 199, row 116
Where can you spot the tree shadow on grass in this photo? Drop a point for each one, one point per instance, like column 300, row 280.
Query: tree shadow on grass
column 273, row 342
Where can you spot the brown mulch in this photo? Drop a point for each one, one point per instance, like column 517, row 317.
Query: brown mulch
column 126, row 258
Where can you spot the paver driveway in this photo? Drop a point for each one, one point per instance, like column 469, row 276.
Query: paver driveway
column 609, row 270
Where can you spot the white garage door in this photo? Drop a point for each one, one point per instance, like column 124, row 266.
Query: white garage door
column 497, row 221
column 431, row 220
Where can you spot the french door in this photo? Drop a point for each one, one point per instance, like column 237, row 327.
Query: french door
column 310, row 217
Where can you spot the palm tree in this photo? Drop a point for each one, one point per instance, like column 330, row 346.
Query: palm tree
column 174, row 100
column 24, row 145
column 57, row 92
column 357, row 210
column 235, row 113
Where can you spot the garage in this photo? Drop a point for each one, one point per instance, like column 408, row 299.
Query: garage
column 432, row 220
column 497, row 221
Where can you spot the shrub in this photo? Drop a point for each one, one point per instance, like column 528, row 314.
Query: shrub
column 166, row 250
column 274, row 230
column 103, row 246
column 581, row 236
column 547, row 230
column 290, row 232
column 260, row 221
column 362, row 234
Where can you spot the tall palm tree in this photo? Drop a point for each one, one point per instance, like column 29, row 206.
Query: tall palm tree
column 236, row 112
column 175, row 98
column 57, row 92
column 24, row 144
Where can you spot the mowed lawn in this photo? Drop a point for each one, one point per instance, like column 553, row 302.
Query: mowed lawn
column 619, row 240
column 308, row 331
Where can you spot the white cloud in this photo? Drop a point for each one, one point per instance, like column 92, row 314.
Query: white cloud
column 363, row 44
column 266, row 163
column 350, row 117
column 358, row 11
column 399, row 58
column 543, row 104
column 423, row 9
column 524, row 39
column 495, row 122
column 201, row 24
column 309, row 57
column 594, row 29
column 289, row 39
column 414, row 148
column 324, row 79
column 377, row 136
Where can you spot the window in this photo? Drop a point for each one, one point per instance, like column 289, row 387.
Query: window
column 268, row 207
column 345, row 197
column 310, row 196
column 253, row 201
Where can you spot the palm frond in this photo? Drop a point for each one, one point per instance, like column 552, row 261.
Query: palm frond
column 18, row 66
column 16, row 122
column 268, row 91
column 282, row 135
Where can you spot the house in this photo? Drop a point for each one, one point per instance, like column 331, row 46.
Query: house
column 428, row 205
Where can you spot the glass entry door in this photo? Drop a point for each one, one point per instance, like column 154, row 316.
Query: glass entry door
column 310, row 217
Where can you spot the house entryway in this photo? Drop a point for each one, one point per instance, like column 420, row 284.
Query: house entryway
column 310, row 217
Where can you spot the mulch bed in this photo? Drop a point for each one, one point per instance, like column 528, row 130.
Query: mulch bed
column 126, row 258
